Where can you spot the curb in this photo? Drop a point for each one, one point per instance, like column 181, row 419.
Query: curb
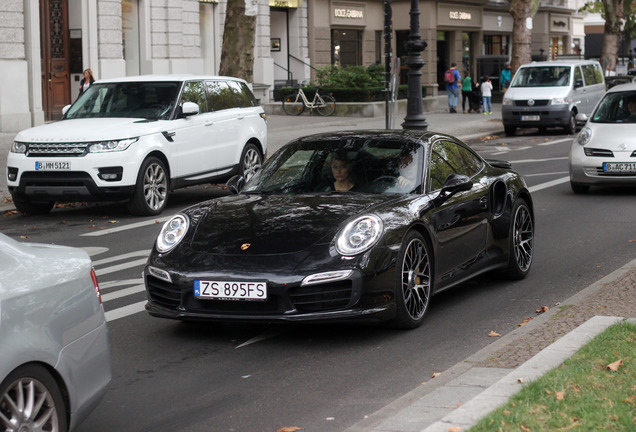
column 479, row 390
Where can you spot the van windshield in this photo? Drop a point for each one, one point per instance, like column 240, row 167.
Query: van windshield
column 148, row 100
column 542, row 76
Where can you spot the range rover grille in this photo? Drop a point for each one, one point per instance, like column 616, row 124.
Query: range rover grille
column 57, row 149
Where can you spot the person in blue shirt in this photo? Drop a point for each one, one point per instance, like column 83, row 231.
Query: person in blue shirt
column 451, row 78
column 504, row 79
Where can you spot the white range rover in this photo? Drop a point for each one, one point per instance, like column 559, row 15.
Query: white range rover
column 136, row 139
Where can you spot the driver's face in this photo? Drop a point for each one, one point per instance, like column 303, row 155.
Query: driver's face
column 340, row 170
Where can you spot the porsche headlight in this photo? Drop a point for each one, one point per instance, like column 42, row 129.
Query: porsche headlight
column 359, row 235
column 111, row 146
column 172, row 233
column 584, row 136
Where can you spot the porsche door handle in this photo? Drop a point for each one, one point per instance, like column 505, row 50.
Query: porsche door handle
column 483, row 202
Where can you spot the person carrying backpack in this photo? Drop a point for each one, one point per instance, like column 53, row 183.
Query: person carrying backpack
column 451, row 78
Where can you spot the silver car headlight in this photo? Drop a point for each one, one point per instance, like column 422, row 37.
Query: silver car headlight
column 111, row 146
column 172, row 233
column 19, row 147
column 507, row 101
column 359, row 235
column 584, row 136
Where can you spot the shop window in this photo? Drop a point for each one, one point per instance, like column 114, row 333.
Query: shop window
column 346, row 47
column 556, row 47
column 496, row 44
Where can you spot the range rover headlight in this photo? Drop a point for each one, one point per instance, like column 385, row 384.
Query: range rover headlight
column 359, row 235
column 19, row 147
column 584, row 136
column 172, row 233
column 111, row 146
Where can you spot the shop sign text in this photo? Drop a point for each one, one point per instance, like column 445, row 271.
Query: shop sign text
column 348, row 13
column 458, row 15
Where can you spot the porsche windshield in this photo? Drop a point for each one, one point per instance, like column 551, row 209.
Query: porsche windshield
column 147, row 100
column 341, row 166
column 542, row 76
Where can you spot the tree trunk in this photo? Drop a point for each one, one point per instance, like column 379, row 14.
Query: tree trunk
column 237, row 52
column 521, row 10
column 613, row 16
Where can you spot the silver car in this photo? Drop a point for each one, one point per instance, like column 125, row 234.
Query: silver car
column 604, row 151
column 54, row 349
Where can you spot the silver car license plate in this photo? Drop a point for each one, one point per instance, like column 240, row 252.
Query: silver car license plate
column 620, row 167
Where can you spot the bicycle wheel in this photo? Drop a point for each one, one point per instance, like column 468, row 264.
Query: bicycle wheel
column 293, row 104
column 328, row 105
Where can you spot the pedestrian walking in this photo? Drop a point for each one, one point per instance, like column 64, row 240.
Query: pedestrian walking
column 451, row 78
column 86, row 82
column 467, row 92
column 486, row 94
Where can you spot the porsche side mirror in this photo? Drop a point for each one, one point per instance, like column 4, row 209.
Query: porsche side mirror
column 235, row 184
column 456, row 183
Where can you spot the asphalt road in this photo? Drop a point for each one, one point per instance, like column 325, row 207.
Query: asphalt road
column 170, row 376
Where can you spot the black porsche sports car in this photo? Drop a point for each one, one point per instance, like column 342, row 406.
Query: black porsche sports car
column 347, row 225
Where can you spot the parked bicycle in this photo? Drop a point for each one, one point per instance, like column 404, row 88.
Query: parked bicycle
column 295, row 103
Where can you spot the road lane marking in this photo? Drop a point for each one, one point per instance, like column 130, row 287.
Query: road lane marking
column 125, row 311
column 555, row 142
column 549, row 184
column 120, row 283
column 140, row 253
column 123, row 293
column 538, row 160
column 545, row 174
column 119, row 267
column 107, row 231
column 263, row 336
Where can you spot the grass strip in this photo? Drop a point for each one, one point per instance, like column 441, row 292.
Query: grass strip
column 583, row 394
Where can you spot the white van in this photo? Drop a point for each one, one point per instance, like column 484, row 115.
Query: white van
column 551, row 94
column 136, row 139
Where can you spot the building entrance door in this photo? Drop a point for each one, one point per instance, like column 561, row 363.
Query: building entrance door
column 54, row 45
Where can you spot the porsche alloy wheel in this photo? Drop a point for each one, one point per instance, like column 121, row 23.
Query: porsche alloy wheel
column 30, row 400
column 521, row 241
column 414, row 281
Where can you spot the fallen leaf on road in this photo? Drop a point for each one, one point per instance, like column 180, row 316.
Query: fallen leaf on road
column 543, row 309
column 560, row 395
column 525, row 321
column 113, row 221
column 290, row 429
column 454, row 429
column 24, row 237
column 493, row 334
column 615, row 366
column 436, row 374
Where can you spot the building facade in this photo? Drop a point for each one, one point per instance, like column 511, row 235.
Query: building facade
column 46, row 44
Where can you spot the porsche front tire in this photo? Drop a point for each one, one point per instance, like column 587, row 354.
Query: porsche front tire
column 414, row 280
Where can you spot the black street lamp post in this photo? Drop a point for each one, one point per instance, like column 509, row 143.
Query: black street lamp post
column 415, row 45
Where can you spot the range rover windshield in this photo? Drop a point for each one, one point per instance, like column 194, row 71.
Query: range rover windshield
column 146, row 100
column 542, row 76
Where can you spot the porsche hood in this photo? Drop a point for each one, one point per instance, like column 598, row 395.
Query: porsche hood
column 276, row 224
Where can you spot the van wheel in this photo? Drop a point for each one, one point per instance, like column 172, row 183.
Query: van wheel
column 510, row 130
column 151, row 190
column 570, row 129
column 251, row 161
column 28, row 207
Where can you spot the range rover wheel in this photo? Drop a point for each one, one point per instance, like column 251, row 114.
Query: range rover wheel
column 151, row 191
column 28, row 207
column 251, row 161
column 31, row 400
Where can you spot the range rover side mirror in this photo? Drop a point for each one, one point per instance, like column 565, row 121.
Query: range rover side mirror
column 65, row 109
column 189, row 109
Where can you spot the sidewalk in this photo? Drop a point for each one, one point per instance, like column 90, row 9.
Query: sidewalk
column 471, row 389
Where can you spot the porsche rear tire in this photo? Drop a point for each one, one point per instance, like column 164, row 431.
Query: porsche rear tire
column 521, row 241
column 414, row 281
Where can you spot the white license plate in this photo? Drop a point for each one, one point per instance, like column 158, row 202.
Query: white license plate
column 529, row 118
column 620, row 167
column 53, row 166
column 229, row 290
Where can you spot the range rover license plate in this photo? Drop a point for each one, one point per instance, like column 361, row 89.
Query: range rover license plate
column 620, row 167
column 229, row 290
column 53, row 166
